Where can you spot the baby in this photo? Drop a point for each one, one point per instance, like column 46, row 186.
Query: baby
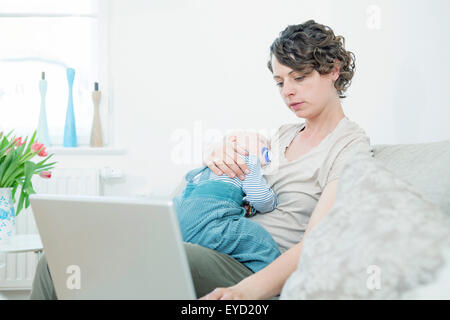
column 211, row 211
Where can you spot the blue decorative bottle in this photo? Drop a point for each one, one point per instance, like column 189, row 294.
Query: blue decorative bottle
column 70, row 134
column 42, row 130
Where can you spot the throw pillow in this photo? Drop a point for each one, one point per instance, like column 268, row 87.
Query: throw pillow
column 381, row 240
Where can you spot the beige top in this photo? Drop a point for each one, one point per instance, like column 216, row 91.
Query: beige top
column 298, row 184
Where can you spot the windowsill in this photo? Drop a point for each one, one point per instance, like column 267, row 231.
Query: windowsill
column 85, row 150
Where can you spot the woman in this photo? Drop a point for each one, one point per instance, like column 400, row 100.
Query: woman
column 312, row 70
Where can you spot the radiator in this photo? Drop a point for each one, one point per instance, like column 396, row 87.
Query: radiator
column 18, row 272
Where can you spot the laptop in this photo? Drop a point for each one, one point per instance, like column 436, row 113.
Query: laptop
column 113, row 248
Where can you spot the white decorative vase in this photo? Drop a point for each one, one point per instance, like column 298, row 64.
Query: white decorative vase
column 7, row 215
column 96, row 132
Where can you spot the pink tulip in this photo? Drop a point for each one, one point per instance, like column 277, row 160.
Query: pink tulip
column 18, row 142
column 45, row 174
column 39, row 146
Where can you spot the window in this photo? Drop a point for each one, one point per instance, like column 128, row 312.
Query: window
column 50, row 36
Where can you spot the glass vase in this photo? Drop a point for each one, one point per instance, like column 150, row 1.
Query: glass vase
column 7, row 215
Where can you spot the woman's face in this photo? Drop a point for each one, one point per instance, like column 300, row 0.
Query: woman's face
column 306, row 96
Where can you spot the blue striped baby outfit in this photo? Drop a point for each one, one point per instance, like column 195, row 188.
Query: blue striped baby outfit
column 258, row 192
column 210, row 213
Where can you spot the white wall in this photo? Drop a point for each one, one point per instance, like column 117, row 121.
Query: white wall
column 189, row 67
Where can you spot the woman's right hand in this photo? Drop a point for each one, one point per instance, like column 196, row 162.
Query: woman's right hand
column 236, row 292
column 224, row 159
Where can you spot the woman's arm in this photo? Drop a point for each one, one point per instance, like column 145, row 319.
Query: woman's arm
column 269, row 281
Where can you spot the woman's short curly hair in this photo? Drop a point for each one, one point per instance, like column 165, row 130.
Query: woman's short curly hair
column 312, row 46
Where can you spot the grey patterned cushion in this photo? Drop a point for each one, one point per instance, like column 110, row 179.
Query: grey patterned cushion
column 425, row 165
column 381, row 240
